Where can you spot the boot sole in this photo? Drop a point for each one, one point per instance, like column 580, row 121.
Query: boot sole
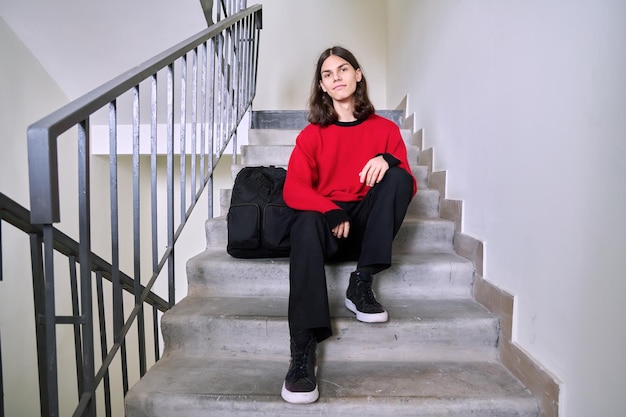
column 300, row 397
column 366, row 317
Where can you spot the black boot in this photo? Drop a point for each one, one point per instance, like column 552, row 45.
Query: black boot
column 360, row 299
column 300, row 386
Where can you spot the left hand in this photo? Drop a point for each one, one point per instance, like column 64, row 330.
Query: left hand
column 374, row 171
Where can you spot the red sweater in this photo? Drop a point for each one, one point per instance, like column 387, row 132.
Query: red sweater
column 325, row 164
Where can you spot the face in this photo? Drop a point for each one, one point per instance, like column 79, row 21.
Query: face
column 339, row 78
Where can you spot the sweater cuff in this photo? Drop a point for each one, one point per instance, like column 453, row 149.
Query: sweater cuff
column 335, row 217
column 391, row 160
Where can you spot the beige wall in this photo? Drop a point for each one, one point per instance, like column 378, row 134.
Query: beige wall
column 296, row 32
column 524, row 103
column 26, row 94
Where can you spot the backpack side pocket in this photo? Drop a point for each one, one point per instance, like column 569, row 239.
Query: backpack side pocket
column 244, row 227
column 277, row 227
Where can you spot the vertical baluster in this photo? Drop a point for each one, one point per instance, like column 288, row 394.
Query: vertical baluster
column 235, row 89
column 246, row 60
column 153, row 173
column 241, row 65
column 251, row 44
column 194, row 120
column 49, row 322
column 243, row 70
column 183, row 120
column 41, row 328
column 229, row 86
column 218, row 91
column 137, row 234
column 211, row 121
column 170, row 181
column 245, row 44
column 236, row 75
column 203, row 109
column 155, row 330
column 257, row 23
column 76, row 313
column 103, row 342
column 84, row 259
column 118, row 300
column 226, row 91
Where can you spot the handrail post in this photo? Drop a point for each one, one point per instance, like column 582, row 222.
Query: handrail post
column 43, row 176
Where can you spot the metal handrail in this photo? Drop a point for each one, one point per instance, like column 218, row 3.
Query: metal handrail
column 43, row 134
column 217, row 73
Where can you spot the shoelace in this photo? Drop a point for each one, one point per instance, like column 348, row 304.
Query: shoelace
column 367, row 294
column 301, row 360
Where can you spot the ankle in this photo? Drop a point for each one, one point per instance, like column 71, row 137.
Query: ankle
column 362, row 275
column 302, row 337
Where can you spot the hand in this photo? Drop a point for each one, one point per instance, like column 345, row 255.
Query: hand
column 374, row 171
column 341, row 230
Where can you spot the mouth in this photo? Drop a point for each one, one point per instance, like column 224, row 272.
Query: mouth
column 339, row 87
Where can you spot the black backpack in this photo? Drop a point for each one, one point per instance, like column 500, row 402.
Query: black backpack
column 258, row 220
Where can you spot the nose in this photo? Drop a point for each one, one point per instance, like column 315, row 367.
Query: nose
column 336, row 76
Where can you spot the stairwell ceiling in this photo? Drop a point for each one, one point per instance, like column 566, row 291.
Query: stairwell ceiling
column 84, row 43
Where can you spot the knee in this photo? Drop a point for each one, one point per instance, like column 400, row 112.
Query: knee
column 307, row 222
column 308, row 227
column 399, row 177
column 307, row 218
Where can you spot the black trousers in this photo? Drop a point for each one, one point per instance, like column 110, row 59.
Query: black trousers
column 374, row 222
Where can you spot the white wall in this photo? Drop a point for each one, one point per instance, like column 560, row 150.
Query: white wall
column 524, row 103
column 296, row 32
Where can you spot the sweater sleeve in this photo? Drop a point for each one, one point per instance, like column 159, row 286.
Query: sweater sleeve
column 390, row 159
column 396, row 154
column 299, row 192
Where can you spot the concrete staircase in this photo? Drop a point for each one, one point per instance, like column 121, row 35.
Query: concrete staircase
column 227, row 342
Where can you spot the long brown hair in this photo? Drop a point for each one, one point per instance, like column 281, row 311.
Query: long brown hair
column 321, row 110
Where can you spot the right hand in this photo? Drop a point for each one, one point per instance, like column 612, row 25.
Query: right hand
column 341, row 230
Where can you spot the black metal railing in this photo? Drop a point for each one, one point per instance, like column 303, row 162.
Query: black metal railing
column 19, row 217
column 184, row 107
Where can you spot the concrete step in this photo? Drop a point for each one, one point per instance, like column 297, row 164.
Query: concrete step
column 297, row 119
column 424, row 234
column 279, row 154
column 236, row 386
column 422, row 275
column 426, row 330
column 416, row 233
column 288, row 136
